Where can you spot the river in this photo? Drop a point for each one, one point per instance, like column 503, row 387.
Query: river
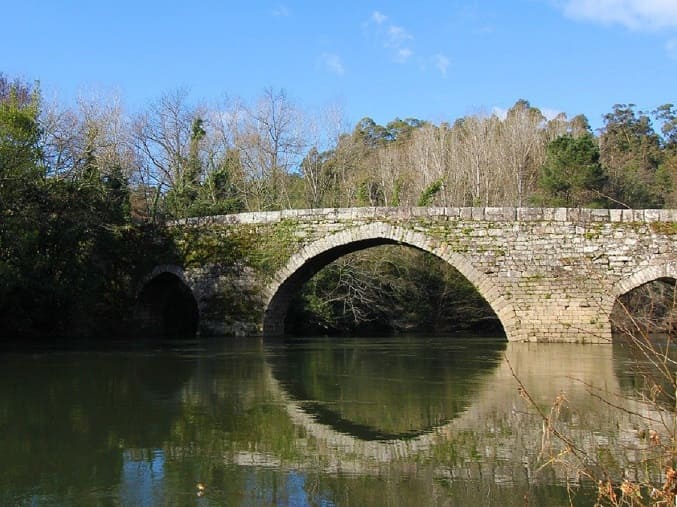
column 315, row 421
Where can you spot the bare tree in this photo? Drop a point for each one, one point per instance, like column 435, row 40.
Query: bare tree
column 320, row 170
column 433, row 159
column 95, row 131
column 270, row 140
column 391, row 172
column 476, row 142
column 164, row 140
column 521, row 146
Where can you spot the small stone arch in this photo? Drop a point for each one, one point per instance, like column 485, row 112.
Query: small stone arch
column 160, row 269
column 165, row 304
column 314, row 256
column 638, row 278
column 642, row 276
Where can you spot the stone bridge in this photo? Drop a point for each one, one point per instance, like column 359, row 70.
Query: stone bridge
column 548, row 274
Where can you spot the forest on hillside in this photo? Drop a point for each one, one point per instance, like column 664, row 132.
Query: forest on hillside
column 86, row 188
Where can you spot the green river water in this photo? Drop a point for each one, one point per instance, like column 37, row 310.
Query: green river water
column 318, row 421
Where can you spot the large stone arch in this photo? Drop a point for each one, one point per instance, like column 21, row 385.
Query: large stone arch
column 313, row 257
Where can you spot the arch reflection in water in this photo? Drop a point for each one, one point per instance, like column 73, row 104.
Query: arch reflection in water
column 497, row 435
column 384, row 389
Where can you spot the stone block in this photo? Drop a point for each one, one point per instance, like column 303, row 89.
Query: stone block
column 560, row 214
column 668, row 215
column 652, row 215
column 465, row 213
column 500, row 214
column 453, row 212
column 477, row 213
column 599, row 215
column 529, row 214
column 616, row 215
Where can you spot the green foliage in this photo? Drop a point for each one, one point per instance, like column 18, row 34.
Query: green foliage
column 666, row 228
column 20, row 153
column 369, row 133
column 75, row 270
column 429, row 193
column 69, row 255
column 372, row 135
column 215, row 194
column 370, row 193
column 631, row 153
column 402, row 130
column 572, row 175
column 262, row 247
column 667, row 114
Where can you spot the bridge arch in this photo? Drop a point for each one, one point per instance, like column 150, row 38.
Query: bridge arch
column 313, row 257
column 642, row 276
column 658, row 271
column 165, row 304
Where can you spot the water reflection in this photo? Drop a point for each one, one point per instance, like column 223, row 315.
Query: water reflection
column 383, row 389
column 646, row 367
column 385, row 422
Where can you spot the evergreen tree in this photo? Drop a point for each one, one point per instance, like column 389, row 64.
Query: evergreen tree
column 572, row 175
column 630, row 152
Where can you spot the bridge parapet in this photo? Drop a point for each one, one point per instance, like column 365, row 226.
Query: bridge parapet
column 494, row 214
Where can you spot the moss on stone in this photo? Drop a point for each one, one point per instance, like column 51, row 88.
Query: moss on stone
column 667, row 228
column 263, row 247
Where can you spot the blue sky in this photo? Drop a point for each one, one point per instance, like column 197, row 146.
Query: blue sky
column 433, row 60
